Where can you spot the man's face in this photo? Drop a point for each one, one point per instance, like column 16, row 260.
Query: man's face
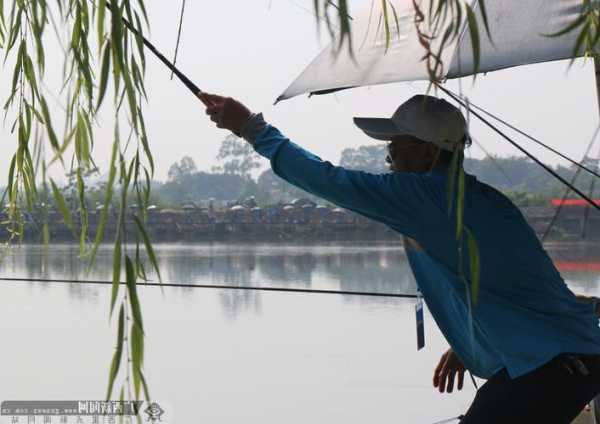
column 409, row 154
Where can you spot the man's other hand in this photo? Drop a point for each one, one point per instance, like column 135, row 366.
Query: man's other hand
column 226, row 112
column 446, row 371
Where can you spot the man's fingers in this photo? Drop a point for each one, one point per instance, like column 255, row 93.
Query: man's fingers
column 203, row 98
column 213, row 109
column 445, row 372
column 443, row 376
column 440, row 364
column 211, row 98
column 461, row 379
column 450, row 386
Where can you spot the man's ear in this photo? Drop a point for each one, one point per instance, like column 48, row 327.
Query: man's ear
column 435, row 153
column 432, row 151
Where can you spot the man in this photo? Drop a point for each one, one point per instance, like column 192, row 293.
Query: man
column 528, row 335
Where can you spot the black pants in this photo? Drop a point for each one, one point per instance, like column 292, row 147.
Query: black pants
column 553, row 393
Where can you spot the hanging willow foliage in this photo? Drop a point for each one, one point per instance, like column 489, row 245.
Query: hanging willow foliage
column 98, row 54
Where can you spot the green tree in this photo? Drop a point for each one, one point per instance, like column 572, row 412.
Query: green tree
column 272, row 189
column 185, row 168
column 201, row 186
column 370, row 158
column 238, row 157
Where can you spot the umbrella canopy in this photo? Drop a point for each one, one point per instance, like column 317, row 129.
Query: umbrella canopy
column 519, row 36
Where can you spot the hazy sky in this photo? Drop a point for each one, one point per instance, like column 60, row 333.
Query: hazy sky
column 252, row 50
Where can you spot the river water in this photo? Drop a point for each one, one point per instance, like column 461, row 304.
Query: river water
column 223, row 356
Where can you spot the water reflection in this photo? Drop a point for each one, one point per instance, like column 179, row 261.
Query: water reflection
column 352, row 268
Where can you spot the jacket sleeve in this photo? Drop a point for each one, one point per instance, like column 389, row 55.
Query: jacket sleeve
column 394, row 199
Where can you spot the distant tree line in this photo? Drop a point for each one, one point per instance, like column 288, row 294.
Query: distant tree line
column 525, row 182
column 232, row 178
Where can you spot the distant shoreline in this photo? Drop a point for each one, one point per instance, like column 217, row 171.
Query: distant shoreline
column 296, row 226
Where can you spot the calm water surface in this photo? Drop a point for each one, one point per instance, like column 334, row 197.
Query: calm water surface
column 216, row 356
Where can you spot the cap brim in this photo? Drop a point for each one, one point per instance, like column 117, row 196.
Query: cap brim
column 378, row 128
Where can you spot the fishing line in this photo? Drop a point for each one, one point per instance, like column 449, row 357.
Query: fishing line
column 184, row 79
column 227, row 287
column 591, row 194
column 522, row 149
column 178, row 35
column 493, row 159
column 558, row 210
column 530, row 137
column 214, row 286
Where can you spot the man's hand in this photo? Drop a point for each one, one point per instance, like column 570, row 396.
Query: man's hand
column 592, row 300
column 226, row 112
column 445, row 372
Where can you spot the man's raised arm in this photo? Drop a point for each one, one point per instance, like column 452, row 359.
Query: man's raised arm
column 395, row 199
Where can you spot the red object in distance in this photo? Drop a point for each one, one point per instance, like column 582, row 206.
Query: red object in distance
column 572, row 202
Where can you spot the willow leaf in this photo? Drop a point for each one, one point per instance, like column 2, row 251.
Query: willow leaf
column 117, row 41
column 83, row 213
column 386, row 24
column 132, row 290
column 451, row 180
column 130, row 91
column 104, row 72
column 460, row 204
column 570, row 27
column 11, row 178
column 144, row 139
column 484, row 17
column 83, row 139
column 48, row 122
column 30, row 74
column 62, row 207
column 137, row 357
column 122, row 399
column 116, row 361
column 100, row 21
column 148, row 244
column 116, row 279
column 474, row 265
column 580, row 41
column 112, row 173
column 474, row 31
column 145, row 386
column 45, row 234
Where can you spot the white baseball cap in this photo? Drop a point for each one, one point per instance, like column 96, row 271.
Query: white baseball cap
column 426, row 118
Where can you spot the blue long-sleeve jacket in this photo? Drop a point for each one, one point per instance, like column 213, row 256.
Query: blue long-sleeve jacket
column 525, row 313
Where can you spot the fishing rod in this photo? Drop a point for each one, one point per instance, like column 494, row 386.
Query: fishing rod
column 213, row 286
column 522, row 149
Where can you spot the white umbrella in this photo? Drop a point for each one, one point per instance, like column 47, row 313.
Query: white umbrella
column 519, row 31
